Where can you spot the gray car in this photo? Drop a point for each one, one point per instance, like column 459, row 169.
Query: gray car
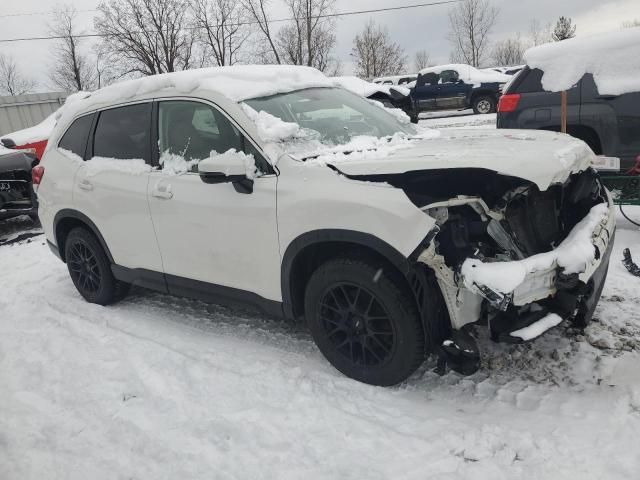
column 609, row 124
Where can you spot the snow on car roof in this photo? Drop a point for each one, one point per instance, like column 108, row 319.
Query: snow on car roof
column 238, row 83
column 469, row 74
column 613, row 58
column 37, row 133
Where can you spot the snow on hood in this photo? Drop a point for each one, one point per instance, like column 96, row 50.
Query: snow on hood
column 544, row 158
column 364, row 88
column 613, row 58
column 469, row 74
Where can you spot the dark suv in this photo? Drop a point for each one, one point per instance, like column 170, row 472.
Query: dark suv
column 16, row 190
column 609, row 124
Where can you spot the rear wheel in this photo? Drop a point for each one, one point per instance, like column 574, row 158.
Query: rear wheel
column 364, row 322
column 484, row 104
column 90, row 269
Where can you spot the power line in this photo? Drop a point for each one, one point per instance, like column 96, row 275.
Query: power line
column 29, row 14
column 328, row 15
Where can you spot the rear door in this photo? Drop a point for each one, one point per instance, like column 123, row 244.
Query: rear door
column 111, row 186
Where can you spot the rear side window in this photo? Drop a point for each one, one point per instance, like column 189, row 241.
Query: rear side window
column 531, row 82
column 123, row 133
column 75, row 138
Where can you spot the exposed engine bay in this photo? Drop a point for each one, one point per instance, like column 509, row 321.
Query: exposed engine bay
column 491, row 218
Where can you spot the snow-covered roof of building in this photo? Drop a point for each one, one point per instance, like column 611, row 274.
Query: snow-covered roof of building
column 613, row 58
column 469, row 74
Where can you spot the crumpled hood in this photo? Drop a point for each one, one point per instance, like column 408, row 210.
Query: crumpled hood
column 544, row 158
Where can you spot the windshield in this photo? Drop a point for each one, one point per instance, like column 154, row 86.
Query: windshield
column 336, row 114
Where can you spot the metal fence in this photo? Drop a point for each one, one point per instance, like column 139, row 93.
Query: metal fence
column 25, row 111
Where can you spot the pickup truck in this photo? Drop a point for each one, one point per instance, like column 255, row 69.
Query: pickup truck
column 456, row 86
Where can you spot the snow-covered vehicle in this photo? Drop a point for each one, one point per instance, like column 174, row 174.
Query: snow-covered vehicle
column 33, row 139
column 457, row 86
column 392, row 96
column 271, row 187
column 16, row 192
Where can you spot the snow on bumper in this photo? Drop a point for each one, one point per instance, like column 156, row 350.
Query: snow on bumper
column 522, row 282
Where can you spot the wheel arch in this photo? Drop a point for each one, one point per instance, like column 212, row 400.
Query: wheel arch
column 66, row 220
column 311, row 249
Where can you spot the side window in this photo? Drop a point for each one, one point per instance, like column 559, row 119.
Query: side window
column 530, row 82
column 449, row 76
column 123, row 133
column 430, row 78
column 190, row 131
column 75, row 138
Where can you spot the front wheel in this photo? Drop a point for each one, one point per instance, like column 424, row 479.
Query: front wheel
column 364, row 322
column 483, row 105
column 90, row 269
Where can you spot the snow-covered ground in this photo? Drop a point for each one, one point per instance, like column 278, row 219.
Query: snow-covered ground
column 159, row 387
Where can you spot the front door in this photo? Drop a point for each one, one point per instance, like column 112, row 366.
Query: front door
column 452, row 92
column 211, row 235
column 111, row 187
column 425, row 92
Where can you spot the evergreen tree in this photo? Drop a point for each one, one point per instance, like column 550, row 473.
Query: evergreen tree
column 564, row 30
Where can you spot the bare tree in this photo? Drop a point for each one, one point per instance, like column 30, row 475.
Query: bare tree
column 421, row 60
column 564, row 30
column 509, row 52
column 146, row 36
column 222, row 29
column 257, row 12
column 471, row 22
column 375, row 54
column 538, row 33
column 12, row 81
column 72, row 69
column 309, row 38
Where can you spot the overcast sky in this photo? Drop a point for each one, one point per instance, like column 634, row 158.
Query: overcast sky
column 414, row 29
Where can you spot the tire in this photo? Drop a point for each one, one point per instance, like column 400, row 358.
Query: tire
column 484, row 104
column 364, row 322
column 90, row 269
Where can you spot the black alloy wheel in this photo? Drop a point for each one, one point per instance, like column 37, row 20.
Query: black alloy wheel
column 357, row 325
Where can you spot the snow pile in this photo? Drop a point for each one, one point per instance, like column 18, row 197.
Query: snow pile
column 238, row 83
column 34, row 134
column 98, row 165
column 572, row 255
column 612, row 58
column 272, row 129
column 364, row 147
column 538, row 328
column 175, row 164
column 469, row 74
column 398, row 113
column 42, row 131
column 366, row 89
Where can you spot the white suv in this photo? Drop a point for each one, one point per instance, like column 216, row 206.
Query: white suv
column 269, row 186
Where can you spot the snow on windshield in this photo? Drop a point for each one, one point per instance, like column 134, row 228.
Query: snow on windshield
column 613, row 58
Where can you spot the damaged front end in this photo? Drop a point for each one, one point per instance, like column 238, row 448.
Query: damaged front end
column 508, row 255
column 521, row 259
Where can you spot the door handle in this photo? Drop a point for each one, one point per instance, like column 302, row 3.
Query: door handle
column 162, row 191
column 85, row 185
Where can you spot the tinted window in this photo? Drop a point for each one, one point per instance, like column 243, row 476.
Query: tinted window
column 123, row 133
column 192, row 130
column 449, row 76
column 531, row 82
column 75, row 138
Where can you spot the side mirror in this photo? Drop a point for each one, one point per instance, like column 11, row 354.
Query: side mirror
column 225, row 169
column 8, row 143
